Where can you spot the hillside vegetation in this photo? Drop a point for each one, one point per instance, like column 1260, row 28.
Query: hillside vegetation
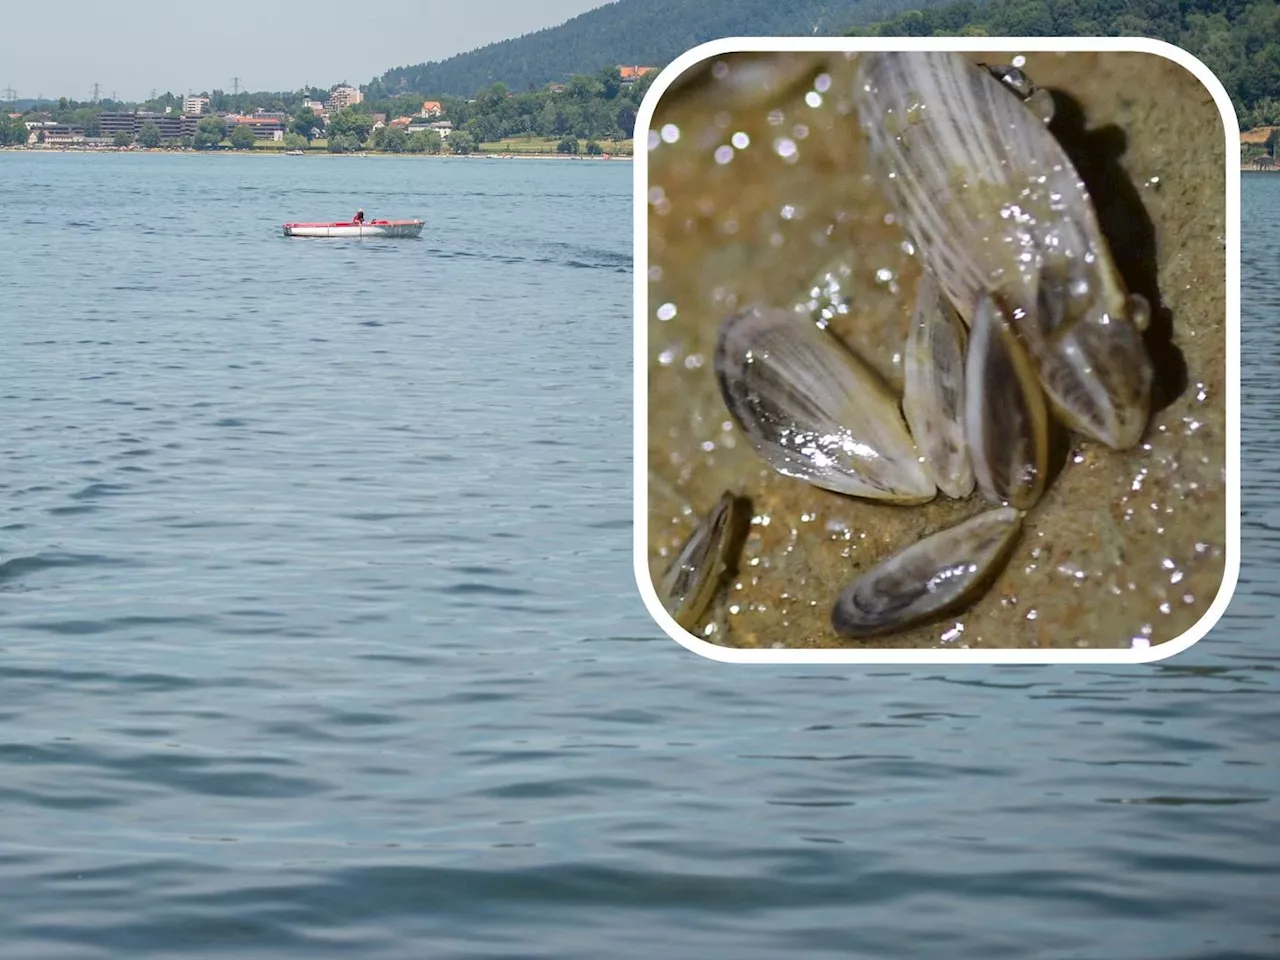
column 648, row 33
column 1239, row 40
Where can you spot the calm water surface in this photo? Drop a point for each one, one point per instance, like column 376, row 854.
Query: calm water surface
column 318, row 633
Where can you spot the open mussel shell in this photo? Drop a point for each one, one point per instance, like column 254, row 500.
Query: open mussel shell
column 982, row 187
column 1006, row 421
column 991, row 200
column 1096, row 373
column 709, row 556
column 1100, row 382
column 814, row 410
column 930, row 578
column 933, row 393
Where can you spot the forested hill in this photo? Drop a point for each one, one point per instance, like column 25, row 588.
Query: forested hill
column 648, row 33
column 1239, row 40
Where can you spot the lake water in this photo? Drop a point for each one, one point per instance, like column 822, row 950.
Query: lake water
column 319, row 637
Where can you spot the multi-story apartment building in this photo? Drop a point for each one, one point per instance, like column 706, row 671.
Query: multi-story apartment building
column 343, row 97
column 171, row 127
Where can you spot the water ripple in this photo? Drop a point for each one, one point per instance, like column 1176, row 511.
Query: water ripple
column 318, row 633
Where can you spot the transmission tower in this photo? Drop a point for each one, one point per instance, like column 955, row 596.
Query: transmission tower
column 10, row 94
column 235, row 86
column 95, row 93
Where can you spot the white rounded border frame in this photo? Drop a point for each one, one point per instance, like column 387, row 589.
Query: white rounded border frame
column 991, row 655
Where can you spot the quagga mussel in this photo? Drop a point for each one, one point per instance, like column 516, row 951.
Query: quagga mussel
column 1022, row 327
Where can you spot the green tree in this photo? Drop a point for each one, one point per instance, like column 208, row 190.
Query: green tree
column 485, row 128
column 242, row 137
column 489, row 98
column 92, row 127
column 625, row 120
column 348, row 122
column 567, row 145
column 343, row 143
column 123, row 139
column 610, row 80
column 393, row 139
column 296, row 141
column 405, row 105
column 583, row 87
column 594, row 149
column 461, row 142
column 304, row 121
column 149, row 135
column 12, row 132
column 547, row 120
column 209, row 132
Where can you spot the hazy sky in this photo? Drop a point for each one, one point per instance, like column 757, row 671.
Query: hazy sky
column 62, row 47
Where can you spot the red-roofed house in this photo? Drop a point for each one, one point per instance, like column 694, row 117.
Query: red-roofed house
column 631, row 74
column 431, row 108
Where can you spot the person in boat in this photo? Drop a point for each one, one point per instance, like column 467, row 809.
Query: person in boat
column 359, row 217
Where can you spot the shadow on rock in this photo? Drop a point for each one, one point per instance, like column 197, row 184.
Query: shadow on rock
column 1129, row 232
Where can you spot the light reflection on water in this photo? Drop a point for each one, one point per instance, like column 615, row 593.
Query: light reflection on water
column 318, row 633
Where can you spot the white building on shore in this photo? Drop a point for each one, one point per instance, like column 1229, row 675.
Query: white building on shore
column 343, row 96
column 442, row 127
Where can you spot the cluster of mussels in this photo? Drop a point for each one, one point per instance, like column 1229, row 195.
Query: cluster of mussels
column 1022, row 324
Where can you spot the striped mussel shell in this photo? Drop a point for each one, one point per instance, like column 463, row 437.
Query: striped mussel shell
column 929, row 579
column 814, row 410
column 691, row 581
column 991, row 201
column 933, row 395
column 1006, row 420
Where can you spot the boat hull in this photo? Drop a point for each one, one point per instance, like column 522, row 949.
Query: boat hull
column 374, row 228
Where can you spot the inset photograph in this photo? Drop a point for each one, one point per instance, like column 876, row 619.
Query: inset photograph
column 940, row 352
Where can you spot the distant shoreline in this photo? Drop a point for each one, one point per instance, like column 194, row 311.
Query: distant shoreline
column 524, row 155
